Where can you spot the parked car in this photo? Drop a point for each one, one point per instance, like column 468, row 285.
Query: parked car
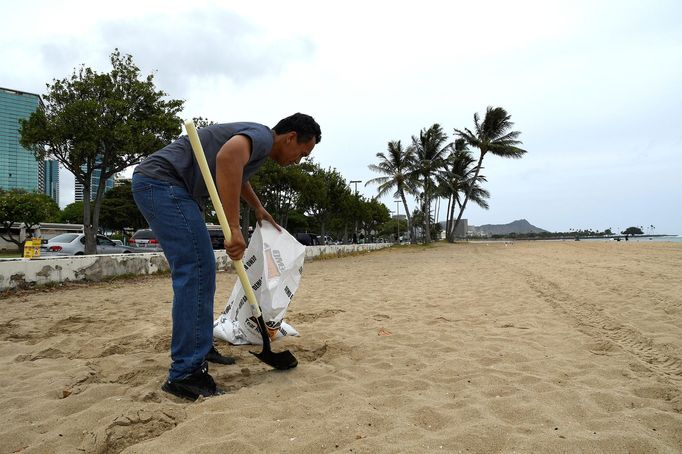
column 144, row 238
column 217, row 237
column 307, row 239
column 74, row 244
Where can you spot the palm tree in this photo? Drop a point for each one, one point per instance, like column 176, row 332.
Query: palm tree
column 454, row 181
column 430, row 150
column 396, row 169
column 494, row 135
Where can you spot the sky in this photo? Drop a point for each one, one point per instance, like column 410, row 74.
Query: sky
column 594, row 86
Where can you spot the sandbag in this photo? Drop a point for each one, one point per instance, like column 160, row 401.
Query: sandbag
column 274, row 264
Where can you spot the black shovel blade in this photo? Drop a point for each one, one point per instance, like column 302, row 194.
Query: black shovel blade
column 280, row 361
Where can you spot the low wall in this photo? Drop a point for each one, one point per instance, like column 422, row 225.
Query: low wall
column 25, row 272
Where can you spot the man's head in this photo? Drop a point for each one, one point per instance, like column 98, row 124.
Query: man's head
column 295, row 138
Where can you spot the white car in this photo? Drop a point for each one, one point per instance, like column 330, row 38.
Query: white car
column 74, row 244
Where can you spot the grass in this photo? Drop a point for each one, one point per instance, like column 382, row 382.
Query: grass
column 9, row 255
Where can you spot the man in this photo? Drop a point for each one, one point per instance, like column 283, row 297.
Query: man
column 170, row 192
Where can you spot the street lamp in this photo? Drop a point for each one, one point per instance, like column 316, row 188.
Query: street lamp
column 356, row 185
column 356, row 194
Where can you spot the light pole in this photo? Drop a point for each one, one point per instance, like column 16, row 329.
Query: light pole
column 356, row 194
column 356, row 185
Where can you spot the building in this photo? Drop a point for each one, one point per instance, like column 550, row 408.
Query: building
column 19, row 168
column 94, row 185
column 49, row 178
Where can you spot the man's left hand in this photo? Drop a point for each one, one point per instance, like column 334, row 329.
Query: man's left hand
column 263, row 215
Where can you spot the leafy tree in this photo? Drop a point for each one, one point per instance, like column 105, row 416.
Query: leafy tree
column 396, row 167
column 493, row 135
column 72, row 213
column 391, row 227
column 430, row 149
column 323, row 194
column 632, row 231
column 106, row 121
column 29, row 208
column 119, row 210
column 279, row 187
column 373, row 215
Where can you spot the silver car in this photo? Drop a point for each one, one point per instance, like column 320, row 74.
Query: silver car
column 74, row 244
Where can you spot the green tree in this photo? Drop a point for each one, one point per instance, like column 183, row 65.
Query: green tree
column 119, row 210
column 279, row 187
column 101, row 121
column 30, row 208
column 430, row 149
column 632, row 231
column 494, row 135
column 396, row 168
column 72, row 213
column 323, row 194
column 373, row 215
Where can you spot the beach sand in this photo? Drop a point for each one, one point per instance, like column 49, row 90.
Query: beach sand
column 526, row 347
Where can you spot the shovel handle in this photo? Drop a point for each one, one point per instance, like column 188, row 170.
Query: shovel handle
column 222, row 219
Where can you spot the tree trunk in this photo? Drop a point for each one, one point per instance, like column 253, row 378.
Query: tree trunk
column 451, row 228
column 447, row 218
column 427, row 211
column 90, row 241
column 409, row 218
column 468, row 194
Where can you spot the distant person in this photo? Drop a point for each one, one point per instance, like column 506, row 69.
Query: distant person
column 170, row 191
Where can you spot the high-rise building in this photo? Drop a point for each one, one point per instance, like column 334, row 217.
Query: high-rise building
column 94, row 185
column 19, row 168
column 51, row 178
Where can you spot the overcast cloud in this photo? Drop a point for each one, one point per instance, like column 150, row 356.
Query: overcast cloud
column 593, row 86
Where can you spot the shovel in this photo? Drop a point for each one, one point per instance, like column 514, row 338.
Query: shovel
column 283, row 360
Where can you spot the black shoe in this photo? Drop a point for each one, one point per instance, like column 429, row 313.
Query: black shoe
column 214, row 356
column 198, row 383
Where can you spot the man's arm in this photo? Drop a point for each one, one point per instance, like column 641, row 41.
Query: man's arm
column 230, row 162
column 250, row 197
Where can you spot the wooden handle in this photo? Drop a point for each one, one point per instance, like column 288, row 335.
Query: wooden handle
column 222, row 219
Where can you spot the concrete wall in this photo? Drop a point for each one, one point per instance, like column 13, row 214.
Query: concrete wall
column 25, row 272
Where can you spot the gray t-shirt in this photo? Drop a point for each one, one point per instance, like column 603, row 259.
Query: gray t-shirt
column 176, row 164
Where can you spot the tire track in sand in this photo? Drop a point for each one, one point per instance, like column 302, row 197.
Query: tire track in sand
column 600, row 326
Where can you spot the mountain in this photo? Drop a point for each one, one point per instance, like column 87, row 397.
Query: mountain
column 520, row 226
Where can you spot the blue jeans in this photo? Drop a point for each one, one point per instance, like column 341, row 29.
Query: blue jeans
column 176, row 220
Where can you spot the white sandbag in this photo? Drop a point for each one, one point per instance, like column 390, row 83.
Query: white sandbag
column 273, row 263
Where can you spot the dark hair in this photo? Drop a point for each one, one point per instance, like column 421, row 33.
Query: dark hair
column 303, row 125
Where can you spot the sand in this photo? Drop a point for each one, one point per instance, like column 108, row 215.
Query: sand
column 527, row 347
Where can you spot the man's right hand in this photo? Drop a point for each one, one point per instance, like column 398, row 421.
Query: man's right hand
column 235, row 248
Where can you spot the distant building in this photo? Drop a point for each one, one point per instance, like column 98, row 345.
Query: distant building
column 461, row 231
column 49, row 178
column 462, row 228
column 19, row 168
column 94, row 185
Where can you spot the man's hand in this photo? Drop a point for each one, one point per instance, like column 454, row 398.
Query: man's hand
column 263, row 215
column 235, row 248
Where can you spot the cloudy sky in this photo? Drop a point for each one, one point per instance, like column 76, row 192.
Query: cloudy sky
column 594, row 86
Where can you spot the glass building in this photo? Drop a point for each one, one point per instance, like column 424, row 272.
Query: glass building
column 50, row 179
column 19, row 168
column 94, row 185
